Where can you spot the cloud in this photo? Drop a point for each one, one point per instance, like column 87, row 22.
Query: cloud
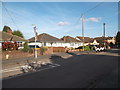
column 93, row 19
column 61, row 23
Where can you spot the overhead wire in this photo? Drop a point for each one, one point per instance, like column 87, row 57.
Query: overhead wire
column 93, row 8
column 10, row 15
column 89, row 11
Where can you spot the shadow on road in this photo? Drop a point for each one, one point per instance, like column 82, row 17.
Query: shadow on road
column 56, row 59
column 72, row 53
column 114, row 51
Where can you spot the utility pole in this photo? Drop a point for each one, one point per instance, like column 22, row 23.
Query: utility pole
column 83, row 31
column 35, row 41
column 104, row 33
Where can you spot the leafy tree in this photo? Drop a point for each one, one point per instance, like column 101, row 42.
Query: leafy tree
column 6, row 28
column 118, row 39
column 18, row 33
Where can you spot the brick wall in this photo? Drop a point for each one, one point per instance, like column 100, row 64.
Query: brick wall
column 20, row 54
column 58, row 49
column 15, row 54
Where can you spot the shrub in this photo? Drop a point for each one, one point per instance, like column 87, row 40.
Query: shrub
column 86, row 48
column 42, row 50
column 9, row 46
column 26, row 48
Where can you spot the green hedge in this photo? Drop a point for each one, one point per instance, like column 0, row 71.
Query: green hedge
column 86, row 48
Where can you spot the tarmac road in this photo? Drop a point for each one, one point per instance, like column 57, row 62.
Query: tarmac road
column 78, row 71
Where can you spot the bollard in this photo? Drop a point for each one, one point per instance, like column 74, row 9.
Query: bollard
column 7, row 56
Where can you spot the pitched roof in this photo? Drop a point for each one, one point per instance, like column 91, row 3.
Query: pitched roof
column 45, row 38
column 100, row 39
column 10, row 37
column 86, row 39
column 69, row 39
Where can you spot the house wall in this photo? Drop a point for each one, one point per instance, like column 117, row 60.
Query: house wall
column 0, row 45
column 94, row 43
column 112, row 40
column 69, row 45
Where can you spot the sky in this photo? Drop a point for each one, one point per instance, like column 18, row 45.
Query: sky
column 61, row 18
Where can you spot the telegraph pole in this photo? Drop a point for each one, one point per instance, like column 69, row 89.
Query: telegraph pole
column 104, row 33
column 83, row 31
column 35, row 41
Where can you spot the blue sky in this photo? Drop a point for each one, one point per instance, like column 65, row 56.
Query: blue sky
column 60, row 18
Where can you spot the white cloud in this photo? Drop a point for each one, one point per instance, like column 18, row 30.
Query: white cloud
column 93, row 19
column 62, row 23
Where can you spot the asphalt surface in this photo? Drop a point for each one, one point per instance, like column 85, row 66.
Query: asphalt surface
column 78, row 71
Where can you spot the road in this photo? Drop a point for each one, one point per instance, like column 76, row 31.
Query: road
column 78, row 71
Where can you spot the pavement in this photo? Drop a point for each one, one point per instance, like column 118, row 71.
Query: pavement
column 73, row 70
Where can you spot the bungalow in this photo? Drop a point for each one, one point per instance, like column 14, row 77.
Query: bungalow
column 71, row 42
column 87, row 40
column 110, row 40
column 46, row 40
column 51, row 41
column 106, row 40
column 5, row 37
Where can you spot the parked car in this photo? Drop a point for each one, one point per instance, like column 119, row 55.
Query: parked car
column 97, row 49
column 102, row 48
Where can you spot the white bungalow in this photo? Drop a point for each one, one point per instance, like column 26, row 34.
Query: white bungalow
column 46, row 40
column 51, row 41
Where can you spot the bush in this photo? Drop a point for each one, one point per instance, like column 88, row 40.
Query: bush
column 9, row 46
column 26, row 48
column 86, row 48
column 42, row 50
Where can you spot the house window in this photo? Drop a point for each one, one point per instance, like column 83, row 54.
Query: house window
column 72, row 44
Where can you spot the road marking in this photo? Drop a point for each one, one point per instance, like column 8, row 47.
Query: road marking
column 52, row 66
column 18, row 68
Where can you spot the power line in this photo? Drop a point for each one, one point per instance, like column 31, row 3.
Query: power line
column 89, row 11
column 93, row 7
column 10, row 15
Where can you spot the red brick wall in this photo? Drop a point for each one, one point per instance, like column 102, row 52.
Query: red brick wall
column 16, row 54
column 20, row 54
column 58, row 49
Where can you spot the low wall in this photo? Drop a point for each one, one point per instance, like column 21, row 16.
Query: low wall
column 15, row 54
column 20, row 54
column 58, row 49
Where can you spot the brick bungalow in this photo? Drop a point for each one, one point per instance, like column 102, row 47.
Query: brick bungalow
column 88, row 40
column 7, row 36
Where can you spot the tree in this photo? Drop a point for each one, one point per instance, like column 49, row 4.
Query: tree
column 18, row 33
column 118, row 39
column 6, row 28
